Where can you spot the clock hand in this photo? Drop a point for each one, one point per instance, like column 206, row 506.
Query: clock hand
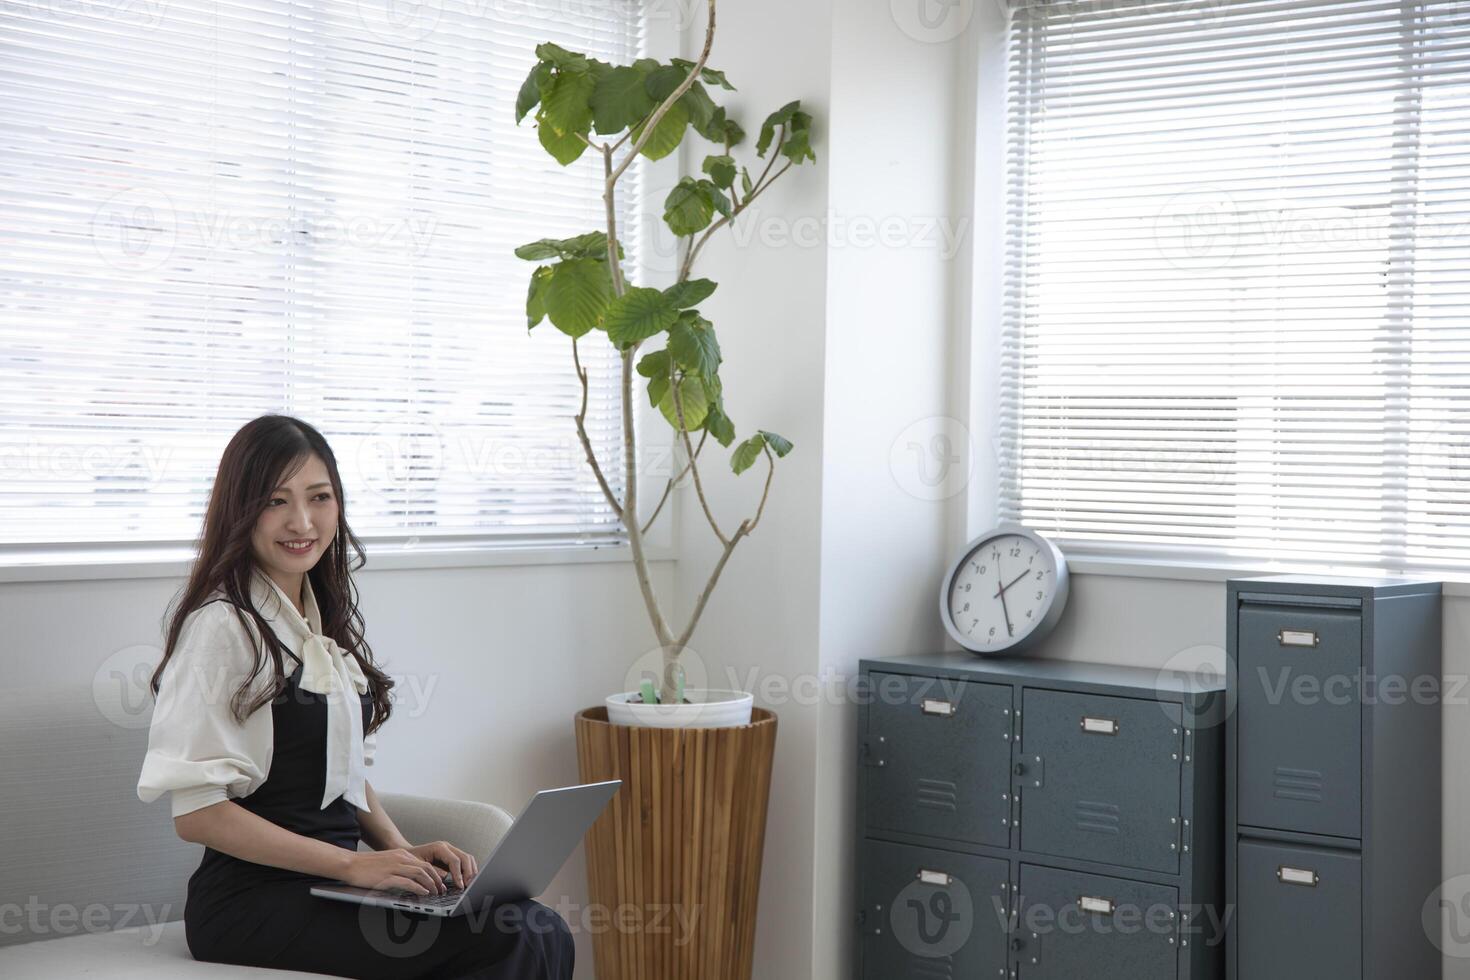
column 1010, row 630
column 1012, row 581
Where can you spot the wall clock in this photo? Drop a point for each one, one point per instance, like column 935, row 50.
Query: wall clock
column 1004, row 592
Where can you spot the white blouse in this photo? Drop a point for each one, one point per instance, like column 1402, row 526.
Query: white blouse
column 196, row 748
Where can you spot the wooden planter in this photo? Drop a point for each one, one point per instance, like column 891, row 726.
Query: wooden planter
column 674, row 863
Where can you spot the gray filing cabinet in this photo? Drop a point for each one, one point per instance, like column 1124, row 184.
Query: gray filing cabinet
column 1332, row 777
column 1038, row 820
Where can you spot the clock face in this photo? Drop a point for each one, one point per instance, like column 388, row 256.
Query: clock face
column 1002, row 590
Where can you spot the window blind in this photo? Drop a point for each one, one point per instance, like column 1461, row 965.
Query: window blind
column 214, row 209
column 1236, row 319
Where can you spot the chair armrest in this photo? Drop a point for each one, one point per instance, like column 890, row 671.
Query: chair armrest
column 468, row 825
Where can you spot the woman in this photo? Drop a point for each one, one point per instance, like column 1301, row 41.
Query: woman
column 268, row 704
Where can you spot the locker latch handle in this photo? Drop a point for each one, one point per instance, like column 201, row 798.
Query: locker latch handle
column 1099, row 726
column 1298, row 638
column 1089, row 903
column 933, row 706
column 935, row 878
column 1296, row 876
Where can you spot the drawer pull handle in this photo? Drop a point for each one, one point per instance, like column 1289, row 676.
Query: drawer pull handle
column 935, row 878
column 1099, row 726
column 1102, row 906
column 1297, row 638
column 1296, row 876
column 941, row 708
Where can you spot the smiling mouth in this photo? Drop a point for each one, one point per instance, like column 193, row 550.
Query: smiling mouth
column 297, row 547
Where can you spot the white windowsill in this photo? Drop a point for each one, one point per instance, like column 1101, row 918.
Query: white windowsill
column 1199, row 572
column 174, row 562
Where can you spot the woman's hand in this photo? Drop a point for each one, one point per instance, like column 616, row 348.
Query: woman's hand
column 460, row 864
column 396, row 867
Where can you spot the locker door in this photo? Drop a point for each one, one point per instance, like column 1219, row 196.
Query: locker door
column 1299, row 719
column 1299, row 912
column 938, row 758
column 929, row 913
column 1098, row 778
column 1074, row 926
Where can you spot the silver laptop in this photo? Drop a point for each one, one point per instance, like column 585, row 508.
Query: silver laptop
column 522, row 864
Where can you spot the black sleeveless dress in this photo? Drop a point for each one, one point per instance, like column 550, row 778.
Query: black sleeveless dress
column 257, row 915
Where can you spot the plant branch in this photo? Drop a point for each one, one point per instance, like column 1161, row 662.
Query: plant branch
column 755, row 192
column 581, row 419
column 675, row 479
column 668, row 103
column 746, row 526
column 693, row 465
column 630, row 507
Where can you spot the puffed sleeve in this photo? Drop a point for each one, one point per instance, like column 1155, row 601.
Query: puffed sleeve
column 197, row 750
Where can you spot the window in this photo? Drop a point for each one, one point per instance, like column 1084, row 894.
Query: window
column 211, row 210
column 1236, row 320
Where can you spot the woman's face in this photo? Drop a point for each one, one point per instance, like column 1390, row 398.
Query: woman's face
column 301, row 511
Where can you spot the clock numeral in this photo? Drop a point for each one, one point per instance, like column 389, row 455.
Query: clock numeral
column 992, row 632
column 1040, row 594
column 1028, row 614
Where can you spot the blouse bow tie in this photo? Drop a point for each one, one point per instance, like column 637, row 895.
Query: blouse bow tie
column 328, row 670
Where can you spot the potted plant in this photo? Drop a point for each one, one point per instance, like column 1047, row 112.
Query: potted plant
column 686, row 831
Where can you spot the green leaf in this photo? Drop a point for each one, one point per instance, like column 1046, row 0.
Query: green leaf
column 620, row 100
column 530, row 94
column 592, row 245
column 688, row 208
column 721, row 170
column 708, row 74
column 745, row 183
column 654, row 364
column 559, row 56
column 693, row 346
column 701, row 107
column 779, row 444
column 768, row 128
column 578, row 295
column 746, row 453
column 566, row 102
column 689, row 293
column 536, row 296
column 692, row 399
column 638, row 314
column 718, row 424
column 658, row 387
column 717, row 198
column 733, row 134
column 667, row 134
column 662, row 81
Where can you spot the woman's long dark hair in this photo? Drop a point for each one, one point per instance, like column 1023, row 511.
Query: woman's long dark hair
column 265, row 453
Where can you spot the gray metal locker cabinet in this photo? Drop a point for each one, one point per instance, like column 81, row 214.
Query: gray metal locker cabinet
column 1094, row 792
column 1333, row 780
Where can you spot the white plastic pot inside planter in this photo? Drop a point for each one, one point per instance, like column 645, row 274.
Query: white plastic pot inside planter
column 706, row 709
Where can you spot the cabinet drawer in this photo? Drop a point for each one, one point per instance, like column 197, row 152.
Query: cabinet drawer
column 939, row 757
column 1075, row 925
column 1098, row 778
column 1299, row 719
column 1298, row 912
column 931, row 913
